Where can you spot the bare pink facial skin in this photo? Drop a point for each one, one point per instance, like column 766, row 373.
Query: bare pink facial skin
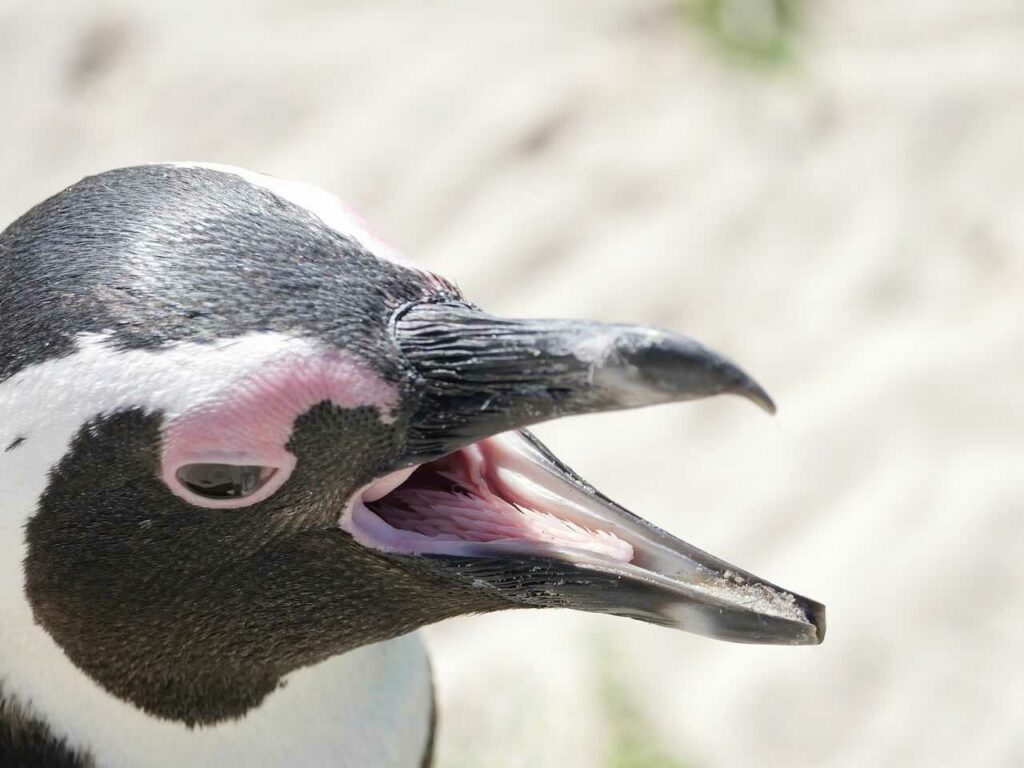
column 250, row 421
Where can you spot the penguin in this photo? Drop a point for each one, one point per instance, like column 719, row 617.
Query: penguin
column 247, row 450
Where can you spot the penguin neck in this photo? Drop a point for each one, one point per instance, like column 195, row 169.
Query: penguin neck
column 371, row 706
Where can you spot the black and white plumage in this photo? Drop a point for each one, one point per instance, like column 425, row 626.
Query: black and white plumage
column 247, row 449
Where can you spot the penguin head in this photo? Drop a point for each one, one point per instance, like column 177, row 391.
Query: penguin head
column 246, row 436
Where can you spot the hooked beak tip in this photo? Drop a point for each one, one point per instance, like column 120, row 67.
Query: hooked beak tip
column 755, row 393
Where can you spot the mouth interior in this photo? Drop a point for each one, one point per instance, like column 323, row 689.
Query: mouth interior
column 466, row 503
column 494, row 499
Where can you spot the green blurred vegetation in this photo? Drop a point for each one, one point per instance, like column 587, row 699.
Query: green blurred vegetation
column 755, row 32
column 631, row 741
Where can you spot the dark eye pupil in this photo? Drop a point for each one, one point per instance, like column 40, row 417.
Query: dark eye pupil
column 223, row 481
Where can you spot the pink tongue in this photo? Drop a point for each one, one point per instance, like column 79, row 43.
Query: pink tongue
column 438, row 503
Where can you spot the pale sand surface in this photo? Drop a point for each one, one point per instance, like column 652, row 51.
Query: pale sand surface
column 850, row 228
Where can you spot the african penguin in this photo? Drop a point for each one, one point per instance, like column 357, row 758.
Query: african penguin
column 246, row 450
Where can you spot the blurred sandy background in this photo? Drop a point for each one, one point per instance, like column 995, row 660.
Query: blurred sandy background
column 831, row 193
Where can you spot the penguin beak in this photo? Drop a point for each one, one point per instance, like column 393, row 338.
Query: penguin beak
column 481, row 375
column 482, row 501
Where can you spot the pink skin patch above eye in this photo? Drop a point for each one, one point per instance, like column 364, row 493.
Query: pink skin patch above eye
column 250, row 421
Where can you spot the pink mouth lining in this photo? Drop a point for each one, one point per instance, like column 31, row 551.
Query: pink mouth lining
column 465, row 504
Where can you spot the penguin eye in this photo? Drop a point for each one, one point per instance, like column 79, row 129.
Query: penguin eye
column 224, row 481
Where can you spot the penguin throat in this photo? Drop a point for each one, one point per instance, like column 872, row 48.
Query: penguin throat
column 476, row 502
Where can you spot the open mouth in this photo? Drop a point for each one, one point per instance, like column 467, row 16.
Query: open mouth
column 477, row 500
column 505, row 503
column 488, row 507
